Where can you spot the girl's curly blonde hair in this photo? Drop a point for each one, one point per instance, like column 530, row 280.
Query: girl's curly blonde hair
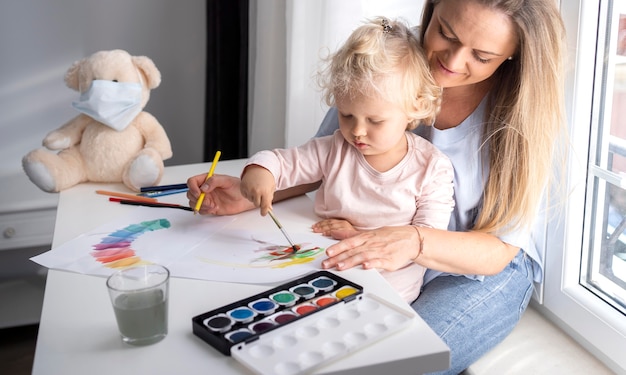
column 383, row 57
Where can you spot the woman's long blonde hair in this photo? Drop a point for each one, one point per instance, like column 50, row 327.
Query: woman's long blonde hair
column 525, row 119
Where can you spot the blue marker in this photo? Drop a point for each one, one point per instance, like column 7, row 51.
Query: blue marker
column 163, row 187
column 153, row 194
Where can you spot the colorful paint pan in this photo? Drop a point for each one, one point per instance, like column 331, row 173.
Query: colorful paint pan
column 284, row 298
column 283, row 317
column 242, row 314
column 304, row 308
column 261, row 326
column 323, row 283
column 218, row 323
column 235, row 326
column 345, row 291
column 324, row 300
column 305, row 291
column 263, row 306
column 238, row 335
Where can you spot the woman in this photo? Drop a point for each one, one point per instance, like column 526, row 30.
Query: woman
column 500, row 65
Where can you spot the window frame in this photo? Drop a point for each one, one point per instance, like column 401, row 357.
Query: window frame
column 597, row 326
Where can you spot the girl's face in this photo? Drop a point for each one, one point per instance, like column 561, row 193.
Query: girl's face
column 375, row 127
column 466, row 42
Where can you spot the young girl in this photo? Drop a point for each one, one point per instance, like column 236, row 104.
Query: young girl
column 374, row 172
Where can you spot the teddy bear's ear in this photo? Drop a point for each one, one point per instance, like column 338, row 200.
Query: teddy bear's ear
column 71, row 77
column 149, row 71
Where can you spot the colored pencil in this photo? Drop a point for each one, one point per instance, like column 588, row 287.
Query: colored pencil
column 283, row 230
column 149, row 204
column 208, row 175
column 160, row 193
column 124, row 195
column 163, row 187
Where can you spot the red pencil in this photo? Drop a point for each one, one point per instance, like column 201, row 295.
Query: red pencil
column 126, row 196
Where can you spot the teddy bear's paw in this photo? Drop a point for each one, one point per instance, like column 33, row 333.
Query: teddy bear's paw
column 39, row 174
column 145, row 170
column 56, row 141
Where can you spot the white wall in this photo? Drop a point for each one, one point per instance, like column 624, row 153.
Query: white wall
column 40, row 39
column 266, row 80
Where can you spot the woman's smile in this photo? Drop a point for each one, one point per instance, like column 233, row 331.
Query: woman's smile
column 444, row 69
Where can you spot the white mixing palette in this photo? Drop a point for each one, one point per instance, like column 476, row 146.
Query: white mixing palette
column 323, row 337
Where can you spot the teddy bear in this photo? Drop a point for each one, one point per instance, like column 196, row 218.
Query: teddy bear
column 112, row 139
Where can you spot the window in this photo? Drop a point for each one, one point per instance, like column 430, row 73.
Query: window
column 603, row 270
column 585, row 284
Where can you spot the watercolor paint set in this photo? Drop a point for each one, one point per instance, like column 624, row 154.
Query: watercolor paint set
column 301, row 325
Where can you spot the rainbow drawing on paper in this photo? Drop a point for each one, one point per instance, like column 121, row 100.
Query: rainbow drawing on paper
column 114, row 250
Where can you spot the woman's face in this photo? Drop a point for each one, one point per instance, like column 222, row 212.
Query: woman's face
column 466, row 42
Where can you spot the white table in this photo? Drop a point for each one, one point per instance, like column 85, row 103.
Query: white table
column 78, row 333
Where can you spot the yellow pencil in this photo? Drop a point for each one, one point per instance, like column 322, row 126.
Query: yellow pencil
column 208, row 175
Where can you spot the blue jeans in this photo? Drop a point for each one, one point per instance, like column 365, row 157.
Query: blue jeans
column 473, row 316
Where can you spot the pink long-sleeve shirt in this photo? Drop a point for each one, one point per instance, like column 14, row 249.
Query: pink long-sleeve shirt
column 417, row 191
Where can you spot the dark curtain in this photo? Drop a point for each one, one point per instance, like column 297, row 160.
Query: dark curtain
column 226, row 122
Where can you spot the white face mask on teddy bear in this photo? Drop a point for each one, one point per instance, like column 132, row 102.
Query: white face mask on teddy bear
column 114, row 104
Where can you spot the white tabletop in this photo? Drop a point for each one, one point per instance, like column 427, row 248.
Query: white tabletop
column 78, row 333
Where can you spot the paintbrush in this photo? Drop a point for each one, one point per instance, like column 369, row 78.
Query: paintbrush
column 295, row 249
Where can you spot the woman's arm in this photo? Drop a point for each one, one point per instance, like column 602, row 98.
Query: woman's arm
column 281, row 195
column 390, row 248
column 223, row 194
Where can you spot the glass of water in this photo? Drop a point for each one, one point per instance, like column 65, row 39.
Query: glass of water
column 139, row 296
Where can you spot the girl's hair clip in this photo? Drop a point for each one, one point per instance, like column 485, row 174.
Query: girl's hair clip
column 386, row 27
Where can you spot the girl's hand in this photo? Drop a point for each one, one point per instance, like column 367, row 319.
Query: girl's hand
column 258, row 186
column 222, row 195
column 387, row 248
column 335, row 228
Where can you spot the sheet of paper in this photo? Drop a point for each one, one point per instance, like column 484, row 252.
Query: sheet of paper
column 244, row 248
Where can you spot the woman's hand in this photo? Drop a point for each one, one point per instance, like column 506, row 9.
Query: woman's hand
column 387, row 248
column 335, row 228
column 258, row 186
column 222, row 195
